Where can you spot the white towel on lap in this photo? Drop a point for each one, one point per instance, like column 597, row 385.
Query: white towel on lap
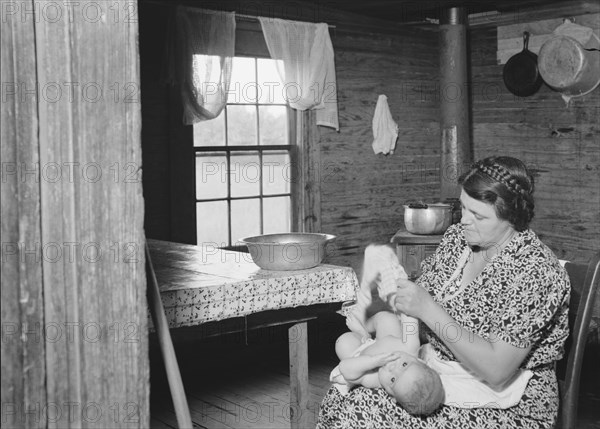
column 464, row 390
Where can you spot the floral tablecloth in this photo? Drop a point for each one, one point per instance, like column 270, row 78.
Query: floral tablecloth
column 199, row 284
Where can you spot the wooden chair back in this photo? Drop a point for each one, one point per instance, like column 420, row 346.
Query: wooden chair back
column 584, row 285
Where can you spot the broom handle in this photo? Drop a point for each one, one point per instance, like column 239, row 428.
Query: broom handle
column 182, row 411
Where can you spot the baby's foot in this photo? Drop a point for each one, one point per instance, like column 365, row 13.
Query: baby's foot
column 355, row 324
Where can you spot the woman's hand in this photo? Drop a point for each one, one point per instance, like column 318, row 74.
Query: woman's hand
column 411, row 299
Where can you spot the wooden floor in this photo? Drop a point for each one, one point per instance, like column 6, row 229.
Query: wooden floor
column 240, row 381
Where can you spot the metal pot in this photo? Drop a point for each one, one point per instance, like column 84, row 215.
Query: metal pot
column 568, row 67
column 427, row 219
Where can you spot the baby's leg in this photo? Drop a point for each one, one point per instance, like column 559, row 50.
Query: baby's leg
column 385, row 323
column 370, row 268
column 355, row 323
column 346, row 345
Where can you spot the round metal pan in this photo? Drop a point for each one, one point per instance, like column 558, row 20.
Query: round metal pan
column 521, row 75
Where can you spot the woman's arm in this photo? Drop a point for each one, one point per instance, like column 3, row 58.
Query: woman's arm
column 494, row 360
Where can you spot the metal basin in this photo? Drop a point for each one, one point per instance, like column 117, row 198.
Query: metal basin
column 287, row 251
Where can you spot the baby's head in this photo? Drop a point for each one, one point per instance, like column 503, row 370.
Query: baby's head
column 413, row 384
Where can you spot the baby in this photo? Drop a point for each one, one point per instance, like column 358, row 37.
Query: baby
column 390, row 359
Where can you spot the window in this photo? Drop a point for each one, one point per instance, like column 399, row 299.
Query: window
column 244, row 159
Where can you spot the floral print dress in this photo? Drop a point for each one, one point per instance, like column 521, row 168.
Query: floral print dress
column 521, row 297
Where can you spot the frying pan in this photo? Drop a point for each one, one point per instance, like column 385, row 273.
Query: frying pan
column 521, row 74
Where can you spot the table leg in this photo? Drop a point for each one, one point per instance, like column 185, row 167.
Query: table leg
column 298, row 349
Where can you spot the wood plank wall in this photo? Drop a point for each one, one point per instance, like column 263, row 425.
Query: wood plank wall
column 155, row 96
column 562, row 143
column 362, row 192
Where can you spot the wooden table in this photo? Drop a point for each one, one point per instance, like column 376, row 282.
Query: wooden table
column 223, row 291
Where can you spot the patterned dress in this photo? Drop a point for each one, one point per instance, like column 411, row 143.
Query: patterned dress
column 521, row 297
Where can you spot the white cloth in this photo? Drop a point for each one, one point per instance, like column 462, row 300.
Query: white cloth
column 584, row 35
column 464, row 390
column 381, row 268
column 385, row 130
column 308, row 69
column 336, row 376
column 205, row 44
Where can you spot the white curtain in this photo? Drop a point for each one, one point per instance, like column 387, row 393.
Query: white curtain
column 308, row 70
column 205, row 50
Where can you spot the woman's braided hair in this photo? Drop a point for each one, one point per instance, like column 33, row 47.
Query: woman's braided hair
column 504, row 182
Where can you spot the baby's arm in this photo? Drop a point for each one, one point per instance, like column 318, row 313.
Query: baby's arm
column 360, row 370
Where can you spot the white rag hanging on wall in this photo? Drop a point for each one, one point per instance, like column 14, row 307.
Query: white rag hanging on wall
column 385, row 130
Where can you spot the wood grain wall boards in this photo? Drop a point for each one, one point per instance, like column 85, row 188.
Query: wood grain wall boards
column 23, row 351
column 88, row 231
column 156, row 133
column 561, row 142
column 362, row 193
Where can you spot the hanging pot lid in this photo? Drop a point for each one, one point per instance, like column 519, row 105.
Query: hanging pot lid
column 521, row 75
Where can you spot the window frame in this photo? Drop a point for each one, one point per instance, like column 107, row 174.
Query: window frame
column 308, row 168
column 291, row 149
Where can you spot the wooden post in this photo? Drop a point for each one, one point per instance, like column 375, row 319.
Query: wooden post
column 454, row 101
column 299, row 391
column 74, row 286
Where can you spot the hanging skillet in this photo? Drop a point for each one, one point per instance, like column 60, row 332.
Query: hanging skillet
column 521, row 74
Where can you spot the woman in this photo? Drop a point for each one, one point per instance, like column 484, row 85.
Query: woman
column 493, row 297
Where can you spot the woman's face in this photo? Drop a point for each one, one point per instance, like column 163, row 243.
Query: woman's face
column 482, row 227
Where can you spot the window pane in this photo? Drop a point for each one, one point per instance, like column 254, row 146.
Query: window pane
column 277, row 173
column 211, row 175
column 242, row 88
column 241, row 125
column 211, row 132
column 211, row 223
column 244, row 174
column 269, row 83
column 245, row 218
column 273, row 125
column 276, row 216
